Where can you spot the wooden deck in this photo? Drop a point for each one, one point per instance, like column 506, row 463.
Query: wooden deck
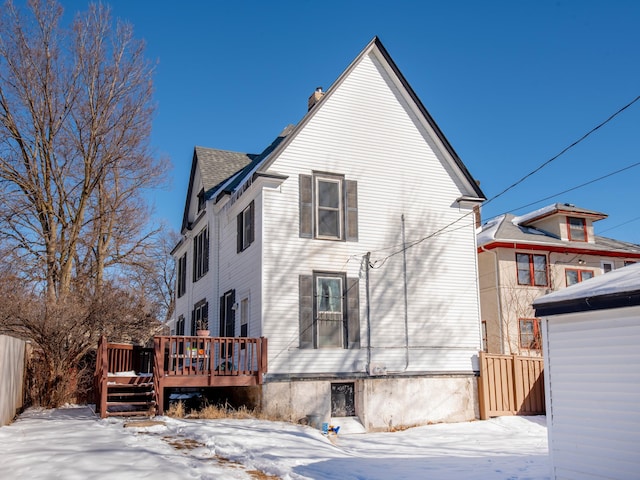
column 124, row 373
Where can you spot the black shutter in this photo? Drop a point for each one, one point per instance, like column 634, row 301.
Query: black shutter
column 240, row 225
column 222, row 316
column 353, row 313
column 193, row 322
column 306, row 206
column 252, row 222
column 351, row 210
column 306, row 310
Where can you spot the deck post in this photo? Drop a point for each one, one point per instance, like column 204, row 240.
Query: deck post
column 158, row 372
column 102, row 366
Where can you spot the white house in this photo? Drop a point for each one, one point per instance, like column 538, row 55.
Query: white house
column 349, row 243
column 591, row 333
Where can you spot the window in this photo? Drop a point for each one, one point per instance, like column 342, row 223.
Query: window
column 201, row 254
column 343, row 400
column 607, row 266
column 575, row 276
column 228, row 314
column 329, row 311
column 530, row 333
column 246, row 227
column 180, row 325
column 328, row 207
column 484, row 336
column 577, row 229
column 182, row 276
column 244, row 317
column 628, row 262
column 200, row 316
column 532, row 269
column 201, row 200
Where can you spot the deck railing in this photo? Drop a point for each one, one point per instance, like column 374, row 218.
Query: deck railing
column 210, row 356
column 179, row 361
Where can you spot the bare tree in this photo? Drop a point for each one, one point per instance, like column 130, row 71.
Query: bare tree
column 75, row 117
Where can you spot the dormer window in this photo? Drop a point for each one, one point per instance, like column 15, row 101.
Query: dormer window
column 577, row 228
column 201, row 200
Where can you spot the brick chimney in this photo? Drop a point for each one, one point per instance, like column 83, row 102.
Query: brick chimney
column 315, row 97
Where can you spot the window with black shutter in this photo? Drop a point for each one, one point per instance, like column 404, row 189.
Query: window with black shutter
column 328, row 207
column 246, row 227
column 329, row 311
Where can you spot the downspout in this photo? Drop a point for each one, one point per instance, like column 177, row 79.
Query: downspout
column 498, row 300
column 406, row 298
column 367, row 259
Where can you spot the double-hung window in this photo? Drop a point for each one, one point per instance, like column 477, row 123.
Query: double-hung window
column 201, row 254
column 574, row 276
column 532, row 269
column 328, row 207
column 200, row 316
column 577, row 229
column 181, row 288
column 246, row 227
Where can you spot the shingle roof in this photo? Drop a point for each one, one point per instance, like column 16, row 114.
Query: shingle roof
column 217, row 166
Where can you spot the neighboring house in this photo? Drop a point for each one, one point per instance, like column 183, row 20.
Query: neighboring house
column 522, row 258
column 591, row 333
column 304, row 244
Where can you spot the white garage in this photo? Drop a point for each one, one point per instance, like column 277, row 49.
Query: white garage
column 591, row 343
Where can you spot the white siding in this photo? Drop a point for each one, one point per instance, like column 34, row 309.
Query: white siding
column 367, row 132
column 205, row 287
column 240, row 271
column 592, row 379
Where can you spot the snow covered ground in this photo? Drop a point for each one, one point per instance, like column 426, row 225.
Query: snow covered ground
column 72, row 443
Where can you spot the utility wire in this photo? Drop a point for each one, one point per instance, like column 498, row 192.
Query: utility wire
column 620, row 224
column 379, row 263
column 576, row 187
column 611, row 117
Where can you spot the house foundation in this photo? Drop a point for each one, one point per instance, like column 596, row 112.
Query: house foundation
column 380, row 403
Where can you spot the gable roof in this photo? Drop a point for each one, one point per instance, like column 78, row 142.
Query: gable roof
column 618, row 288
column 223, row 172
column 216, row 167
column 376, row 45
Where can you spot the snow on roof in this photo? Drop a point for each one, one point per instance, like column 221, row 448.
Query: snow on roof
column 618, row 282
column 535, row 214
column 488, row 231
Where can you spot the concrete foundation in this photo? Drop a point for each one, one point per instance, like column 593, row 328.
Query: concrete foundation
column 381, row 403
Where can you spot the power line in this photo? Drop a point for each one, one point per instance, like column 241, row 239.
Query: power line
column 620, row 224
column 379, row 263
column 564, row 150
column 576, row 187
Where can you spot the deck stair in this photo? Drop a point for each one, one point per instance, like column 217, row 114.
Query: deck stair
column 130, row 396
column 125, row 385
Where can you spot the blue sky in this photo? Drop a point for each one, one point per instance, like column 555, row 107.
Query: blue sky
column 510, row 83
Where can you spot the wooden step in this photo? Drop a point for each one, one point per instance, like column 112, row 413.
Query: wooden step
column 131, row 403
column 132, row 413
column 131, row 394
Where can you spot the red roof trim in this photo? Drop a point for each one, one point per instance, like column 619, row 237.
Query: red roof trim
column 557, row 249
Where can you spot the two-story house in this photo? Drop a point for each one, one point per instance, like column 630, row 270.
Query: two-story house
column 521, row 258
column 349, row 243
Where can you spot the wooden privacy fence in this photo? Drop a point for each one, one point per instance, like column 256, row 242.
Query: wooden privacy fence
column 510, row 385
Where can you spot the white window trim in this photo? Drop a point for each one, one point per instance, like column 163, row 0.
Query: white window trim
column 339, row 209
